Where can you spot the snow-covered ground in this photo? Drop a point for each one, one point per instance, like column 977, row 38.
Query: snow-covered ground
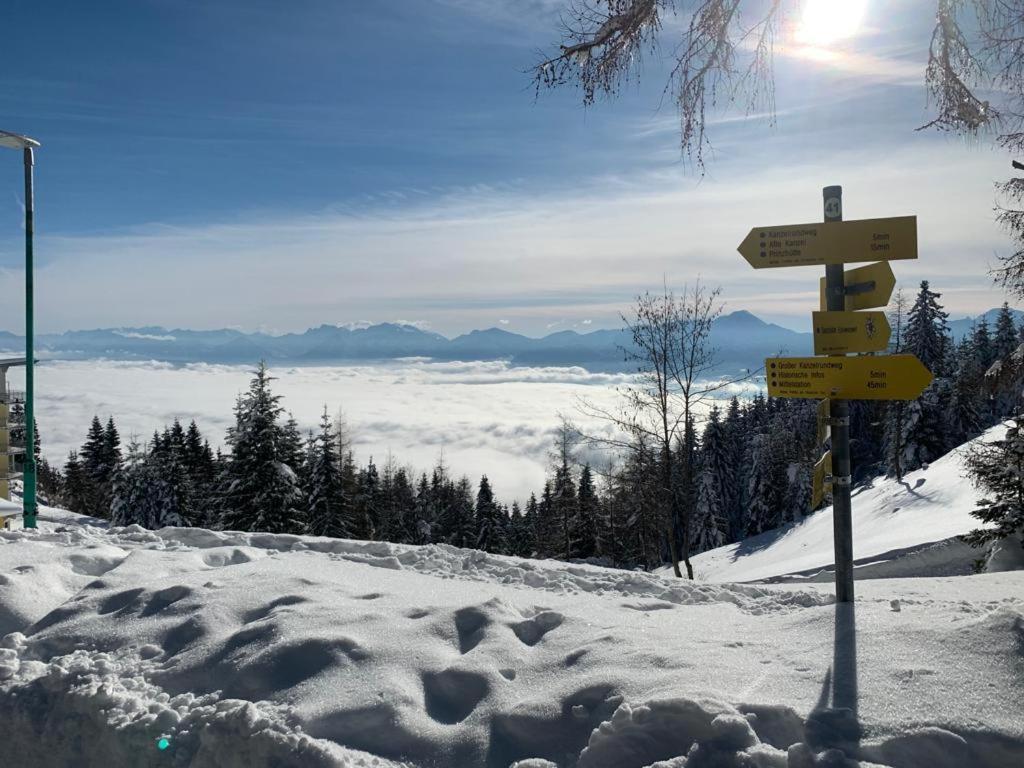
column 900, row 528
column 272, row 650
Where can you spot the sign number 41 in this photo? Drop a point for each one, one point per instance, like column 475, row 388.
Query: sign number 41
column 833, row 208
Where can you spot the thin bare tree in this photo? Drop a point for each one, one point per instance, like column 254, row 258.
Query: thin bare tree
column 674, row 364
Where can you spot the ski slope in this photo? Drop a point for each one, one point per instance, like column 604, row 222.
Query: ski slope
column 244, row 649
column 906, row 528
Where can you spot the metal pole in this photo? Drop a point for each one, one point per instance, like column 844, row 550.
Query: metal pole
column 29, row 490
column 835, row 298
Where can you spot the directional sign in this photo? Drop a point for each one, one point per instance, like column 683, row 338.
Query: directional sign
column 866, row 287
column 892, row 377
column 824, row 414
column 837, row 242
column 820, row 482
column 839, row 333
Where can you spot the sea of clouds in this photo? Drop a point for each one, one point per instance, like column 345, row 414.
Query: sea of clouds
column 483, row 417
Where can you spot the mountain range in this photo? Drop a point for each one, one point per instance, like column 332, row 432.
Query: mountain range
column 741, row 339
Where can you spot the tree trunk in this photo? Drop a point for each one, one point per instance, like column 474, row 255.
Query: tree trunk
column 666, row 463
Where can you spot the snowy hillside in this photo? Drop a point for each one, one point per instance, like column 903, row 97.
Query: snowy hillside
column 906, row 528
column 186, row 647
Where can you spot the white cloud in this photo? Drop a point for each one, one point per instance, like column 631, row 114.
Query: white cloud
column 534, row 255
column 487, row 418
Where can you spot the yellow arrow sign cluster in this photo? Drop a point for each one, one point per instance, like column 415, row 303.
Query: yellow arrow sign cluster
column 900, row 377
column 839, row 242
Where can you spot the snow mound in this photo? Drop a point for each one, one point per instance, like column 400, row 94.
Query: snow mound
column 99, row 709
column 900, row 529
column 444, row 561
column 257, row 649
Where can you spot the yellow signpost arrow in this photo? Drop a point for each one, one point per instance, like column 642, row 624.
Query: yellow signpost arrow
column 838, row 242
column 892, row 377
column 839, row 333
column 819, row 484
column 866, row 287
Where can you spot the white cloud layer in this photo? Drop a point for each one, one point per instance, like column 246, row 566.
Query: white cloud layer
column 469, row 257
column 486, row 417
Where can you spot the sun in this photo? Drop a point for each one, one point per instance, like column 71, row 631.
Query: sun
column 827, row 21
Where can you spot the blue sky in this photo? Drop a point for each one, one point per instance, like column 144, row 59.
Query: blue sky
column 255, row 164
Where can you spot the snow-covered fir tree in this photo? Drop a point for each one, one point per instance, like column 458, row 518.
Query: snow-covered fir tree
column 763, row 491
column 714, row 486
column 78, row 486
column 998, row 470
column 1005, row 340
column 490, row 530
column 982, row 342
column 583, row 526
column 529, row 531
column 708, row 522
column 967, row 406
column 141, row 496
column 366, row 512
column 462, row 515
column 327, row 507
column 260, row 491
column 733, row 491
column 927, row 331
column 404, row 498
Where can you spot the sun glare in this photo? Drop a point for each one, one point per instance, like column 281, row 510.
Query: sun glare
column 827, row 21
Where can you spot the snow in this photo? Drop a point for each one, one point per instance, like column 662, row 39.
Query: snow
column 248, row 649
column 900, row 528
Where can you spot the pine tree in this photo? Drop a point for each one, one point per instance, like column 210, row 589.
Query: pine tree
column 549, row 538
column 460, row 509
column 733, row 490
column 925, row 440
column 178, row 486
column 424, row 522
column 78, row 487
column 927, row 332
column 490, row 533
column 366, row 517
column 516, row 531
column 291, row 448
column 97, row 474
column 998, row 470
column 529, row 536
column 326, row 505
column 706, row 529
column 983, row 346
column 764, row 491
column 583, row 526
column 714, row 486
column 261, row 492
column 563, row 511
column 92, row 453
column 142, row 496
column 1005, row 341
column 964, row 415
column 404, row 500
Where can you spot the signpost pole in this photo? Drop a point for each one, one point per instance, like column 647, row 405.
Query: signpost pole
column 29, row 490
column 835, row 296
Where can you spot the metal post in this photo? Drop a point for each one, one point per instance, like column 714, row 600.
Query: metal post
column 29, row 481
column 835, row 298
